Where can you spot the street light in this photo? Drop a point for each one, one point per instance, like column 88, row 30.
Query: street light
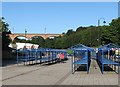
column 13, row 34
column 99, row 29
column 25, row 36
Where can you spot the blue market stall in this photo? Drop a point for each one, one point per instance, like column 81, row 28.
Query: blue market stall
column 108, row 55
column 81, row 56
column 44, row 55
column 26, row 56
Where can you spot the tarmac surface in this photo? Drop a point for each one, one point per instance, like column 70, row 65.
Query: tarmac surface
column 56, row 74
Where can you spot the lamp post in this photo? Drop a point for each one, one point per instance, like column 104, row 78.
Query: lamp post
column 45, row 32
column 13, row 34
column 99, row 43
column 25, row 36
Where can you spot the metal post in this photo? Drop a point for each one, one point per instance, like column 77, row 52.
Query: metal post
column 102, row 62
column 25, row 36
column 45, row 32
column 87, row 61
column 72, row 60
column 13, row 35
column 98, row 33
column 99, row 41
column 17, row 58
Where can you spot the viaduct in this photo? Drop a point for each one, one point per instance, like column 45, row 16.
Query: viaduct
column 30, row 35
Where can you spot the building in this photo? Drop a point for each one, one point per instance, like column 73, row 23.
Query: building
column 22, row 45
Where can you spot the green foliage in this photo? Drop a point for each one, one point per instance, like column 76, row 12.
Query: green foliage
column 19, row 40
column 3, row 25
column 5, row 40
column 88, row 36
column 34, row 40
column 70, row 31
column 70, row 52
column 38, row 40
column 83, row 35
column 49, row 43
column 111, row 34
column 4, row 31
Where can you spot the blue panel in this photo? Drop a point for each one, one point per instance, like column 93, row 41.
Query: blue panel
column 106, row 61
column 82, row 61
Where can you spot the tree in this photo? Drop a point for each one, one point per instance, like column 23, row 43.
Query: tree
column 3, row 25
column 17, row 39
column 5, row 31
column 38, row 40
column 49, row 43
column 111, row 34
column 80, row 28
column 115, row 30
column 88, row 36
column 70, row 31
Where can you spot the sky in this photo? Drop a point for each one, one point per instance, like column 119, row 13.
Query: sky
column 56, row 17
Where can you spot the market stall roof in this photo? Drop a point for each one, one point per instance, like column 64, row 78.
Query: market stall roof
column 81, row 47
column 109, row 46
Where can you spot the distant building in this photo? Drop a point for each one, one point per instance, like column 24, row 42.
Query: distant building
column 22, row 45
column 51, row 37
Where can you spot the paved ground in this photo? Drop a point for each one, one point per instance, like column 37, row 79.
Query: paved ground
column 55, row 74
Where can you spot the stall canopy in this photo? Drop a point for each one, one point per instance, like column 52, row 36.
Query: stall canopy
column 81, row 47
column 109, row 46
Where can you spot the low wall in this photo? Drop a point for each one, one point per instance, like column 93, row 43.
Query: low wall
column 7, row 55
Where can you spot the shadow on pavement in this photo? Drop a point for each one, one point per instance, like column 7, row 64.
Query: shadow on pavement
column 7, row 62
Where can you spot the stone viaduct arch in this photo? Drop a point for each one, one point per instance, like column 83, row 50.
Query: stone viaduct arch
column 13, row 36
